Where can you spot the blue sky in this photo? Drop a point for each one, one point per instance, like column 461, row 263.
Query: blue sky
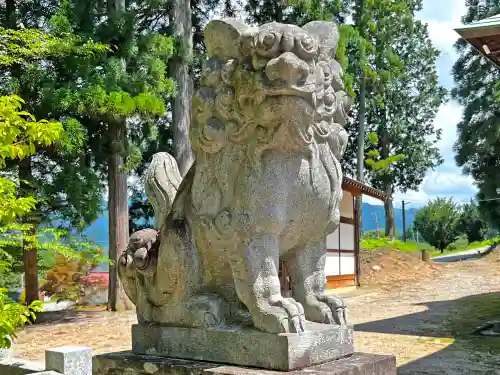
column 442, row 16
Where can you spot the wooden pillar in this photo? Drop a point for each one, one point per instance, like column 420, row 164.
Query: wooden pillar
column 357, row 252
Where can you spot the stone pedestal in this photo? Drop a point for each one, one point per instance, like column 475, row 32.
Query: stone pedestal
column 246, row 346
column 69, row 360
column 127, row 363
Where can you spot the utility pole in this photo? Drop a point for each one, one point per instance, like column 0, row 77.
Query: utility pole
column 375, row 215
column 404, row 222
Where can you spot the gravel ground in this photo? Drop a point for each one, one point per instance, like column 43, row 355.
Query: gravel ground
column 406, row 320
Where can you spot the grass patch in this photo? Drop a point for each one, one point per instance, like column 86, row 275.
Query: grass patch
column 469, row 314
column 405, row 247
column 412, row 246
column 477, row 244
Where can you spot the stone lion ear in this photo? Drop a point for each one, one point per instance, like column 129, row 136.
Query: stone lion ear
column 222, row 38
column 327, row 35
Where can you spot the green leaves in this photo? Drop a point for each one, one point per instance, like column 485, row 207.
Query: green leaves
column 18, row 46
column 20, row 132
column 11, row 206
column 473, row 222
column 14, row 316
column 442, row 223
column 373, row 159
column 437, row 222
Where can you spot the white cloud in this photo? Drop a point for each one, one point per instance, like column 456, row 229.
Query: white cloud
column 448, row 183
column 447, row 118
column 442, row 34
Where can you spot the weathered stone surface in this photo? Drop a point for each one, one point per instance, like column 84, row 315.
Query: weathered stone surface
column 69, row 360
column 268, row 133
column 127, row 363
column 47, row 373
column 246, row 346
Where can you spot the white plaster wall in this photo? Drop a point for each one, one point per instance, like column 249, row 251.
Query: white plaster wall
column 346, row 205
column 347, row 266
column 346, row 236
column 332, row 264
column 333, row 240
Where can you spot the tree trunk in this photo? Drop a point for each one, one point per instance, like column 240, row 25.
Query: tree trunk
column 29, row 249
column 118, row 214
column 385, row 143
column 389, row 215
column 31, row 269
column 10, row 14
column 179, row 71
column 361, row 128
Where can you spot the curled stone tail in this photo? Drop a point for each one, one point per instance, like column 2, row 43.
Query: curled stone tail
column 161, row 181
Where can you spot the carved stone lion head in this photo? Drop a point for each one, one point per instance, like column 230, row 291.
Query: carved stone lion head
column 277, row 85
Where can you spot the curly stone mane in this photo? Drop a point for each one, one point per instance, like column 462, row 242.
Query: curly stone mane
column 248, row 89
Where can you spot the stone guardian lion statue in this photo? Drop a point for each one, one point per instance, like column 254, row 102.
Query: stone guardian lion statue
column 267, row 131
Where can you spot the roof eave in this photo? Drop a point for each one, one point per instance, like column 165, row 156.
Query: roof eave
column 473, row 33
column 349, row 184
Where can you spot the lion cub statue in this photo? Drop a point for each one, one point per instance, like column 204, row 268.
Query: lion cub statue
column 267, row 131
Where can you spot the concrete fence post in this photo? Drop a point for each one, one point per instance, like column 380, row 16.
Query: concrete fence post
column 69, row 360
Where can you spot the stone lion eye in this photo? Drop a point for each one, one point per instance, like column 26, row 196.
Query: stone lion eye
column 329, row 99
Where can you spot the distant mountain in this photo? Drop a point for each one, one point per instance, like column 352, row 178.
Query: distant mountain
column 98, row 231
column 374, row 213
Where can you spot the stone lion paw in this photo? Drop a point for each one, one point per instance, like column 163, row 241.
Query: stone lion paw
column 142, row 250
column 337, row 307
column 326, row 309
column 282, row 315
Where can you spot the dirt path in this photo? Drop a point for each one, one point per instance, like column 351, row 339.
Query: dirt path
column 409, row 321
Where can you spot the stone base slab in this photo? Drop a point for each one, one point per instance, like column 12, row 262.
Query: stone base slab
column 246, row 346
column 127, row 363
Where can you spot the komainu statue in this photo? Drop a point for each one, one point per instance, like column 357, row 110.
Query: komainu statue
column 267, row 131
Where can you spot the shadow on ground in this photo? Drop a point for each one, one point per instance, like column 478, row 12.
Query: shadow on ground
column 450, row 323
column 66, row 316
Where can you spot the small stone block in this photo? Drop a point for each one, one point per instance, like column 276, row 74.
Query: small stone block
column 246, row 346
column 69, row 360
column 132, row 364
